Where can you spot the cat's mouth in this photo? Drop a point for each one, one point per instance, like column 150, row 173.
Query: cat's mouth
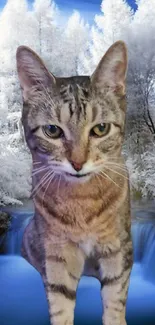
column 78, row 175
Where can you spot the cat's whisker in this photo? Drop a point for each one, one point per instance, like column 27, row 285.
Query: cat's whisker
column 107, row 176
column 117, row 162
column 35, row 165
column 50, row 100
column 47, row 98
column 39, row 167
column 97, row 175
column 51, row 176
column 115, row 166
column 103, row 162
column 41, row 182
column 45, row 192
column 112, row 162
column 42, row 85
column 41, row 97
column 113, row 170
column 111, row 157
column 39, row 170
column 58, row 187
column 37, row 162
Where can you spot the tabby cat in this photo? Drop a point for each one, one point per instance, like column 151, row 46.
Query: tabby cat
column 74, row 128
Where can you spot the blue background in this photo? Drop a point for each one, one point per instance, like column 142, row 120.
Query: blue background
column 87, row 8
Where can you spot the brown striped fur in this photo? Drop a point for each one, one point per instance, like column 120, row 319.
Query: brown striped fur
column 82, row 217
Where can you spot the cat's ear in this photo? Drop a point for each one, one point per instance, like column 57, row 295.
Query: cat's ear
column 111, row 70
column 31, row 71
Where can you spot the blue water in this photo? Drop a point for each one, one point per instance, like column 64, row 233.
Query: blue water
column 22, row 295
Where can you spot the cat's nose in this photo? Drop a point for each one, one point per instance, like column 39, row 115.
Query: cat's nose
column 77, row 165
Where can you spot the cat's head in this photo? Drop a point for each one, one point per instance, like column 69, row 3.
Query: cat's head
column 76, row 124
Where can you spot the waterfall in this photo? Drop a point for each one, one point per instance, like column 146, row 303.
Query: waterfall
column 19, row 279
column 20, row 217
column 143, row 234
column 13, row 239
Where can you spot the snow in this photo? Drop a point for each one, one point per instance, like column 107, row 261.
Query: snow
column 71, row 49
column 15, row 162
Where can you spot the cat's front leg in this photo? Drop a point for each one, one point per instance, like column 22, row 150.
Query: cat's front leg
column 63, row 269
column 115, row 272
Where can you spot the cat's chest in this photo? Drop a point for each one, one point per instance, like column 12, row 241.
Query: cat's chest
column 88, row 245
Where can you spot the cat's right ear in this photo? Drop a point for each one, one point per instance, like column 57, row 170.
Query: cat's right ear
column 111, row 70
column 32, row 71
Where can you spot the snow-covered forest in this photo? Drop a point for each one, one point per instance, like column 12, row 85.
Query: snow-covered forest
column 70, row 48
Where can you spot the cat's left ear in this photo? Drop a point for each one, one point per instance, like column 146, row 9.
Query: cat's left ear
column 111, row 70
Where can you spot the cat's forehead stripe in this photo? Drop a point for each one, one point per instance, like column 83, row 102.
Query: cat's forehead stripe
column 76, row 97
column 76, row 103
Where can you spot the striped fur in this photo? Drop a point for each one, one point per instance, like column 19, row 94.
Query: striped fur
column 82, row 218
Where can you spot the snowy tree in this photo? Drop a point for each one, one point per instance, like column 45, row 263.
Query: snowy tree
column 15, row 180
column 13, row 31
column 110, row 26
column 44, row 15
column 76, row 40
column 140, row 126
column 3, row 103
column 70, row 50
column 46, row 33
column 115, row 19
column 142, row 61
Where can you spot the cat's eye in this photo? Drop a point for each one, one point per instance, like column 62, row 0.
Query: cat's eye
column 100, row 130
column 52, row 131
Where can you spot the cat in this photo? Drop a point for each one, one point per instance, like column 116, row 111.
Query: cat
column 74, row 128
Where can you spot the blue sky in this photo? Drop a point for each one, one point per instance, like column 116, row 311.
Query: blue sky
column 87, row 8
